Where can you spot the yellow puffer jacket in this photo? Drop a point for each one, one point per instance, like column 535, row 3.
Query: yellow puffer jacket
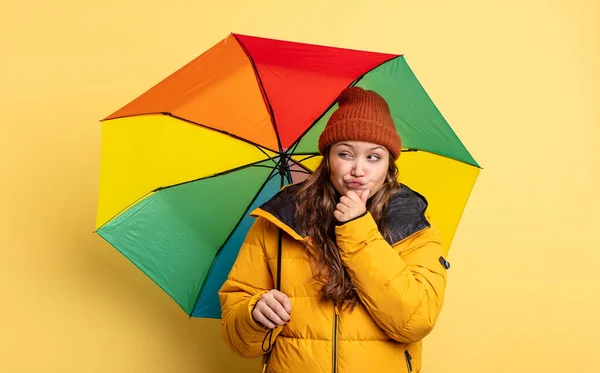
column 400, row 283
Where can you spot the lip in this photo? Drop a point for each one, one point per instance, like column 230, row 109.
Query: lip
column 354, row 184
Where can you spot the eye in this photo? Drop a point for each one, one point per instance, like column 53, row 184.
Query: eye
column 374, row 157
column 344, row 155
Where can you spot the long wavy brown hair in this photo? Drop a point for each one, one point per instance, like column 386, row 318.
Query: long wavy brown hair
column 316, row 201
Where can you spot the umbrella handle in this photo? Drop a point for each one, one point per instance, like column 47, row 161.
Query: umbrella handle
column 269, row 334
column 278, row 286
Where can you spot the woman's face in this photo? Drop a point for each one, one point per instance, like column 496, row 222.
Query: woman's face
column 358, row 165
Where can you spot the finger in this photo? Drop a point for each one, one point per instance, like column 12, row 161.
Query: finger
column 274, row 316
column 284, row 300
column 364, row 196
column 281, row 315
column 352, row 195
column 345, row 200
column 339, row 216
column 262, row 319
column 342, row 208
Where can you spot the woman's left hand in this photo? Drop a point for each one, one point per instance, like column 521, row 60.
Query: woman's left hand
column 351, row 205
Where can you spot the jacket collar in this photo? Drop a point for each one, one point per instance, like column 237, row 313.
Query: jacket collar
column 406, row 213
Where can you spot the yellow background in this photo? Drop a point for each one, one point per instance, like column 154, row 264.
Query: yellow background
column 517, row 80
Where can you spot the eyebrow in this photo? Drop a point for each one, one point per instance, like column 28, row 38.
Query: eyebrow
column 350, row 146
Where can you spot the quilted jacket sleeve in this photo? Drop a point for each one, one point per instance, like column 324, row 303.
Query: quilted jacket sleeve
column 403, row 293
column 249, row 278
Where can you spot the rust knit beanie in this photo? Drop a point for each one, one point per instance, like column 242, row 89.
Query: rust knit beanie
column 362, row 116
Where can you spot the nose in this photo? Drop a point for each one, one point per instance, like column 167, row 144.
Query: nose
column 358, row 169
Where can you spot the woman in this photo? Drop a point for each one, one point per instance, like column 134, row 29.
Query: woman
column 360, row 265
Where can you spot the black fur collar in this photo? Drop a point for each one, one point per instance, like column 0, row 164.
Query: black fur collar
column 406, row 214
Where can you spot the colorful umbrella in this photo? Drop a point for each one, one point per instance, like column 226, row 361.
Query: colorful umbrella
column 183, row 164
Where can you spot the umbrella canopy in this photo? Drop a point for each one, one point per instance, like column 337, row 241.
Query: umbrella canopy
column 183, row 164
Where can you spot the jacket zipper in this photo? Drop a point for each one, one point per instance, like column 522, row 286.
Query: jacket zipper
column 408, row 360
column 335, row 332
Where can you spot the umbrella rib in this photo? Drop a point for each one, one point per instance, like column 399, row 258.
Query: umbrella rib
column 302, row 172
column 254, row 164
column 229, row 236
column 306, row 169
column 309, row 156
column 271, row 177
column 229, row 134
column 263, row 166
column 166, row 113
column 444, row 156
column 293, row 147
column 142, row 270
column 336, row 99
column 263, row 91
column 265, row 153
column 288, row 175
